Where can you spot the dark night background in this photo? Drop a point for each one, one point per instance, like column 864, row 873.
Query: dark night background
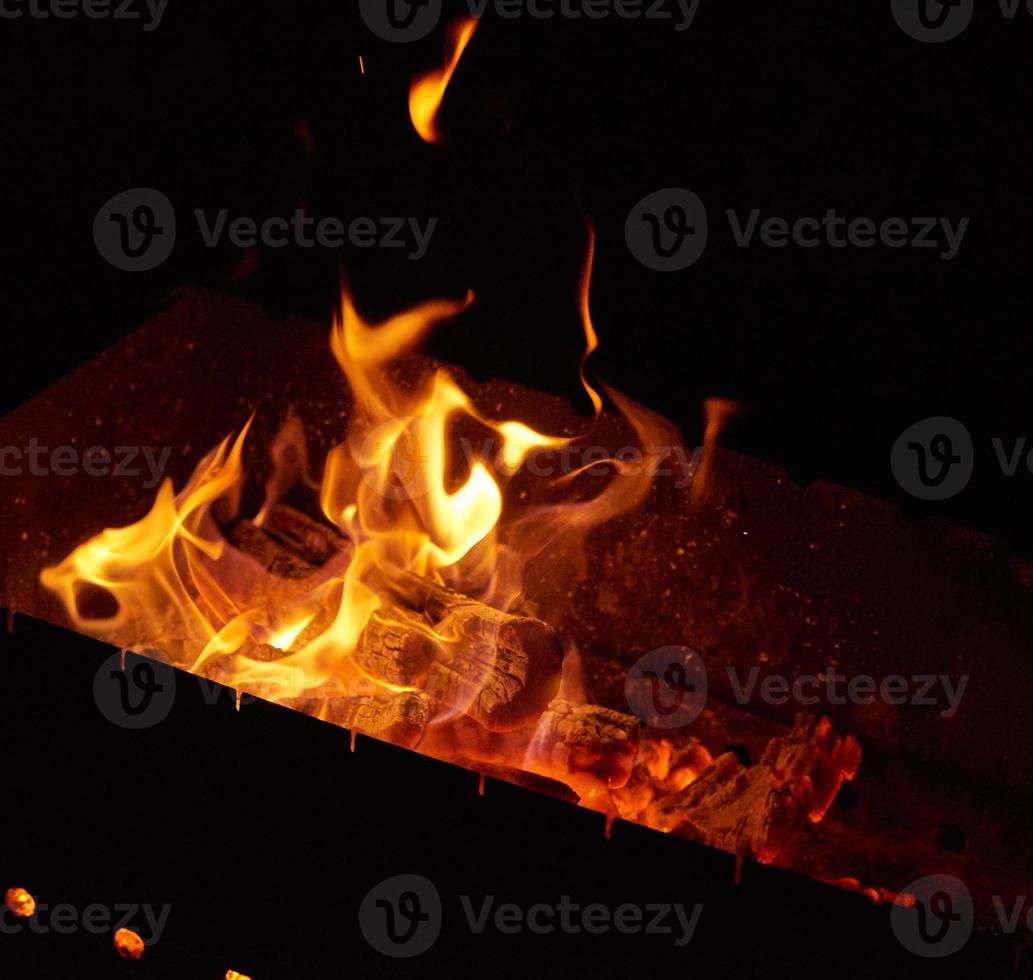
column 832, row 353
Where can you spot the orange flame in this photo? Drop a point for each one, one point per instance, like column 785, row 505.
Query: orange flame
column 428, row 91
column 406, row 495
column 591, row 337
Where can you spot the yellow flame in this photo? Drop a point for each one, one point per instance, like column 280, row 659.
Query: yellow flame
column 428, row 91
column 591, row 337
column 139, row 566
column 406, row 490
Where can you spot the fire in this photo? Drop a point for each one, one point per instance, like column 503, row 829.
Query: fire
column 20, row 902
column 388, row 593
column 428, row 91
column 172, row 581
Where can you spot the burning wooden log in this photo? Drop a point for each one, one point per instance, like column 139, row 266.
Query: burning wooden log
column 396, row 646
column 269, row 554
column 498, row 668
column 579, row 744
column 758, row 811
column 400, row 718
column 588, row 739
column 290, row 545
column 306, row 539
column 663, row 766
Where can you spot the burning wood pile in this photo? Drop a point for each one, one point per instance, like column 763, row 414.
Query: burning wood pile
column 390, row 596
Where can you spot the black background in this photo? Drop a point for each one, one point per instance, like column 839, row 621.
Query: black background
column 832, row 353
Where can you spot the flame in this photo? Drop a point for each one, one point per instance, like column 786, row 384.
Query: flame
column 717, row 412
column 428, row 91
column 591, row 337
column 402, row 493
column 385, row 487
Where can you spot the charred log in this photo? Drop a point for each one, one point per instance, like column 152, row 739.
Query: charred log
column 500, row 669
column 588, row 739
column 759, row 811
column 396, row 646
column 399, row 718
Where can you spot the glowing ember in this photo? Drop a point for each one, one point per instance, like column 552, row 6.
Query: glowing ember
column 129, row 945
column 233, row 975
column 20, row 902
column 427, row 92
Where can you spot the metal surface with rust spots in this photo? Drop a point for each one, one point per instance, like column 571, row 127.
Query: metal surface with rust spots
column 757, row 571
